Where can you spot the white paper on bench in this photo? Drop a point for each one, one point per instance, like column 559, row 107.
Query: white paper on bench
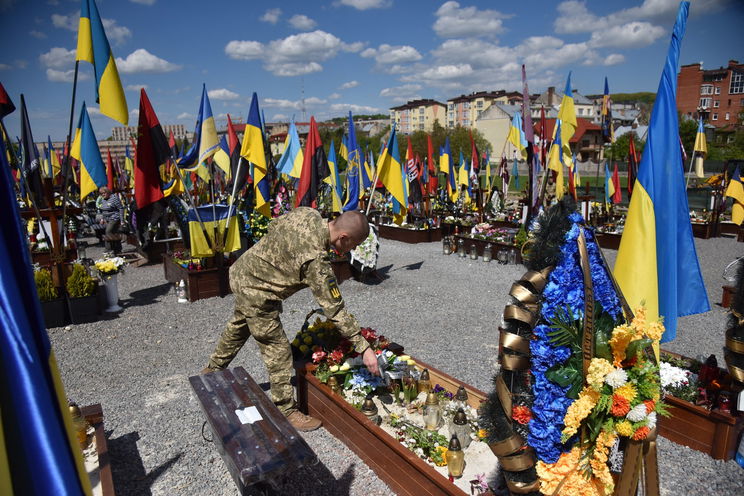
column 248, row 415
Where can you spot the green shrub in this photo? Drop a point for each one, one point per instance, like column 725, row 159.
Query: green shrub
column 44, row 285
column 80, row 283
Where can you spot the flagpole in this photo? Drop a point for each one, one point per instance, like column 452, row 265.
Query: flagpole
column 372, row 190
column 689, row 172
column 191, row 202
column 232, row 199
column 67, row 167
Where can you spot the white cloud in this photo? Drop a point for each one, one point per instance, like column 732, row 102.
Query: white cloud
column 614, row 59
column 5, row 67
column 477, row 53
column 134, row 113
column 141, row 60
column 244, row 50
column 280, row 117
column 136, row 87
column 389, row 54
column 453, row 21
column 292, row 105
column 630, row 35
column 366, row 4
column 184, row 115
column 20, row 63
column 222, row 94
column 37, row 34
column 65, row 76
column 68, row 22
column 114, row 33
column 291, row 56
column 302, row 22
column 144, row 2
column 349, row 84
column 93, row 111
column 58, row 58
column 334, row 96
column 447, row 72
column 271, row 16
column 557, row 56
column 405, row 91
column 357, row 109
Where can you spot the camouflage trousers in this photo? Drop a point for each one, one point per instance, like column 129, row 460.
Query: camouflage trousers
column 264, row 325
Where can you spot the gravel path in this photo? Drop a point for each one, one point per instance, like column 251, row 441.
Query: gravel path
column 444, row 310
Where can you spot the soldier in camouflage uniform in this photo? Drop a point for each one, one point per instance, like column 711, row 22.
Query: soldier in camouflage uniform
column 293, row 255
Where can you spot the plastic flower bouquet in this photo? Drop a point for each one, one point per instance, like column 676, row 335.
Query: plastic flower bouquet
column 108, row 267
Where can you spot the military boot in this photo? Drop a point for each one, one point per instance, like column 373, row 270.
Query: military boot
column 302, row 422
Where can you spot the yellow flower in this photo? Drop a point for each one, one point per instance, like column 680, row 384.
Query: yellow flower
column 404, row 358
column 598, row 369
column 578, row 411
column 345, row 366
column 304, row 348
column 639, row 320
column 600, row 469
column 411, row 362
column 628, row 391
column 442, row 450
column 482, row 434
column 296, row 343
column 308, row 340
column 334, row 368
column 655, row 330
column 621, row 336
column 624, row 428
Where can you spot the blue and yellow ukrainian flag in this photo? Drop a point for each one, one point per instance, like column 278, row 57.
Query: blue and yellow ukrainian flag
column 214, row 219
column 252, row 150
column 656, row 261
column 700, row 149
column 93, row 47
column 222, row 157
column 53, row 158
column 205, row 142
column 463, row 177
column 448, row 167
column 609, row 185
column 291, row 160
column 129, row 166
column 555, row 159
column 567, row 115
column 392, row 177
column 735, row 190
column 85, row 150
column 39, row 453
column 516, row 135
column 337, row 190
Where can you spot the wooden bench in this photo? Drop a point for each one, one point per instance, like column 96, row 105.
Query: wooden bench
column 255, row 453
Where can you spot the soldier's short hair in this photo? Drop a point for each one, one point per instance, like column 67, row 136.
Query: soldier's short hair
column 353, row 223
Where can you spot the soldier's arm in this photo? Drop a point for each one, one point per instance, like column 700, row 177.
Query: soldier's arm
column 318, row 275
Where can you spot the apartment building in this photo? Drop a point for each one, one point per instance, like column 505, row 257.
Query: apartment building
column 418, row 115
column 715, row 95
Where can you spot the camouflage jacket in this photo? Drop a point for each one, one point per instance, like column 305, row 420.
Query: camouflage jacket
column 294, row 254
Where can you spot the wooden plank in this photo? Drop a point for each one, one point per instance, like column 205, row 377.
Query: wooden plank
column 94, row 415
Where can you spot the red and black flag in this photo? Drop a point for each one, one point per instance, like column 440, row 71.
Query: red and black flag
column 152, row 151
column 31, row 163
column 233, row 145
column 433, row 181
column 632, row 164
column 314, row 169
column 6, row 105
column 172, row 144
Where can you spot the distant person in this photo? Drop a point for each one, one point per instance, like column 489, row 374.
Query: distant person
column 293, row 255
column 112, row 215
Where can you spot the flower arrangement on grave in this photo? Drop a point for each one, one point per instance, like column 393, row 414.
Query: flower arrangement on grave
column 282, row 203
column 364, row 257
column 80, row 283
column 109, row 266
column 577, row 369
column 487, row 232
column 677, row 380
column 259, row 225
column 45, row 284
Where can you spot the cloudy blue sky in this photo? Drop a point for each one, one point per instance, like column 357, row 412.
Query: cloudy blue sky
column 359, row 55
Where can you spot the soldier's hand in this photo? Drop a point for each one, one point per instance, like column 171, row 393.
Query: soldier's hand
column 370, row 361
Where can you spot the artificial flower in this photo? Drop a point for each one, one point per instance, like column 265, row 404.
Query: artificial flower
column 655, row 330
column 639, row 320
column 308, row 340
column 624, row 428
column 578, row 411
column 598, row 370
column 628, row 391
column 304, row 348
column 616, row 378
column 521, row 414
column 344, row 367
column 318, row 356
column 641, row 433
column 637, row 413
column 333, row 368
column 651, row 420
column 622, row 335
column 650, row 406
column 620, row 406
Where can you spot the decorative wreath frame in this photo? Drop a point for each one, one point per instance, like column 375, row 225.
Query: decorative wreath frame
column 513, row 383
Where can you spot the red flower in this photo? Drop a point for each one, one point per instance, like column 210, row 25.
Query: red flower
column 336, row 356
column 369, row 334
column 318, row 356
column 620, row 406
column 641, row 433
column 522, row 414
